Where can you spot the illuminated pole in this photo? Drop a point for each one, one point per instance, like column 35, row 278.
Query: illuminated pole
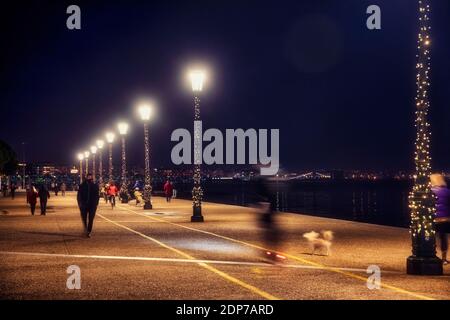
column 93, row 151
column 80, row 158
column 145, row 111
column 422, row 201
column 86, row 157
column 110, row 139
column 124, row 195
column 197, row 78
column 100, row 144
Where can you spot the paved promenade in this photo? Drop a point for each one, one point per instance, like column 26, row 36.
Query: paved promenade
column 160, row 254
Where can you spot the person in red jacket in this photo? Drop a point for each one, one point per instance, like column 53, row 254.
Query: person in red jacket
column 168, row 190
column 112, row 192
column 32, row 196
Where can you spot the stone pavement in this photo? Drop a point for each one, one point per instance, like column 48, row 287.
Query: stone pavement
column 160, row 254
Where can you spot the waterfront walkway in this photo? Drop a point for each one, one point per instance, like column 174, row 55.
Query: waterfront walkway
column 160, row 254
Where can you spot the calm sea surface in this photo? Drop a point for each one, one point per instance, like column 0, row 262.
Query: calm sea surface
column 378, row 202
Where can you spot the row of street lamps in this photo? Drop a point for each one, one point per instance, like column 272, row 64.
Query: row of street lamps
column 145, row 110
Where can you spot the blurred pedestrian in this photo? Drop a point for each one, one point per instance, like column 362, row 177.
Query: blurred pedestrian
column 168, row 190
column 267, row 220
column 43, row 195
column 439, row 187
column 56, row 188
column 5, row 189
column 88, row 197
column 32, row 196
column 112, row 193
column 13, row 190
column 138, row 196
column 63, row 189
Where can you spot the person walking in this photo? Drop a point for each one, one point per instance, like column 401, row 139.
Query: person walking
column 13, row 190
column 63, row 189
column 43, row 195
column 88, row 197
column 168, row 190
column 442, row 193
column 112, row 192
column 5, row 190
column 138, row 196
column 32, row 196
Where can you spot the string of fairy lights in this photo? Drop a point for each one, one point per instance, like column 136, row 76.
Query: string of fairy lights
column 421, row 199
column 197, row 191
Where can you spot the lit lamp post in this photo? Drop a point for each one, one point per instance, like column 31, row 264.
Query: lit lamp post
column 100, row 144
column 197, row 78
column 93, row 152
column 423, row 260
column 145, row 111
column 86, row 157
column 80, row 157
column 124, row 195
column 110, row 139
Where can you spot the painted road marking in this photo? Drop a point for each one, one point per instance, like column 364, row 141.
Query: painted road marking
column 158, row 259
column 202, row 264
column 312, row 263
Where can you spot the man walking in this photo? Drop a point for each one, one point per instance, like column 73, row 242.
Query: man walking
column 88, row 197
column 43, row 195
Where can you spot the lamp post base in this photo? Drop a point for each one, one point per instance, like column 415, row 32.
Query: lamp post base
column 148, row 206
column 431, row 266
column 197, row 214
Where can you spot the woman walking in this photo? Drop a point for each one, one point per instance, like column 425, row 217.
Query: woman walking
column 439, row 187
column 32, row 196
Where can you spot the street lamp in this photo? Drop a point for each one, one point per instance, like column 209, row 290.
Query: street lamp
column 86, row 157
column 124, row 195
column 423, row 260
column 110, row 139
column 80, row 157
column 197, row 78
column 100, row 144
column 93, row 151
column 145, row 112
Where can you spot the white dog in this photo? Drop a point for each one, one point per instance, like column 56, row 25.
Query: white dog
column 317, row 241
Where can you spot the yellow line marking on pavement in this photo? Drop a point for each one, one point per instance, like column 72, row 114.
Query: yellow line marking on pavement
column 204, row 265
column 333, row 269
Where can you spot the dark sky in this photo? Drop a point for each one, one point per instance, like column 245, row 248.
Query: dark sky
column 341, row 95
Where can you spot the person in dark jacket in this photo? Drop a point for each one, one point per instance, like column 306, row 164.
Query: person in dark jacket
column 88, row 197
column 13, row 190
column 439, row 187
column 32, row 195
column 43, row 195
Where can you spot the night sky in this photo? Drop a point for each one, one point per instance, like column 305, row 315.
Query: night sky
column 341, row 95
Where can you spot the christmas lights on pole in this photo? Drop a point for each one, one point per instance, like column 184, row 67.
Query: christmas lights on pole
column 197, row 78
column 100, row 144
column 110, row 139
column 93, row 152
column 145, row 112
column 86, row 157
column 124, row 194
column 421, row 201
column 80, row 157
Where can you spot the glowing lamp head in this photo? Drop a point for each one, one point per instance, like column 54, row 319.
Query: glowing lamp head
column 80, row 156
column 123, row 128
column 87, row 154
column 100, row 144
column 197, row 78
column 110, row 137
column 93, row 149
column 145, row 111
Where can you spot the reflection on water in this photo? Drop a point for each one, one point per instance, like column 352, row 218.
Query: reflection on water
column 379, row 202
